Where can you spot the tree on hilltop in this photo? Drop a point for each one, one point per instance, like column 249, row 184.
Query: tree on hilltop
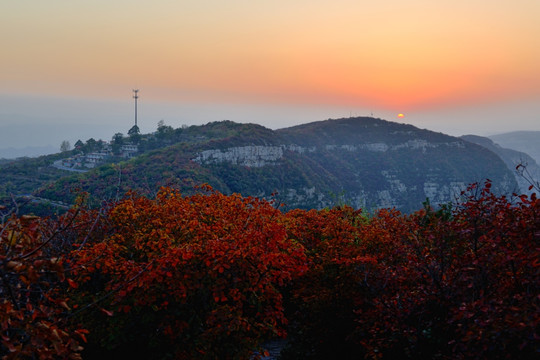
column 117, row 142
column 134, row 134
column 65, row 146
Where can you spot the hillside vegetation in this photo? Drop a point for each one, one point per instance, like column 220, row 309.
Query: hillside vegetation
column 365, row 162
column 211, row 276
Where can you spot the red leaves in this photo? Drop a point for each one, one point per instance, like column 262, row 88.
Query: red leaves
column 33, row 305
column 460, row 283
column 106, row 312
column 82, row 334
column 72, row 283
column 176, row 253
column 212, row 272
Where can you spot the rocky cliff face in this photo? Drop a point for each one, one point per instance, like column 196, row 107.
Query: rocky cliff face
column 364, row 162
column 250, row 156
column 259, row 156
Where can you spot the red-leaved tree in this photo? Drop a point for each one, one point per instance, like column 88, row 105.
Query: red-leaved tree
column 191, row 277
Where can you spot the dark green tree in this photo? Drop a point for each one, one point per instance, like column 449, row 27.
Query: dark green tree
column 65, row 146
column 134, row 134
column 164, row 132
column 91, row 145
column 117, row 142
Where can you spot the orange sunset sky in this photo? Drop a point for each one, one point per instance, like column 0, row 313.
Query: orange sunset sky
column 457, row 66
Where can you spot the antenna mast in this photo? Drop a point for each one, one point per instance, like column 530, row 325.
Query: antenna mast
column 136, row 96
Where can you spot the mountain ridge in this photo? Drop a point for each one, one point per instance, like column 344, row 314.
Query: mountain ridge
column 516, row 161
column 524, row 141
column 365, row 162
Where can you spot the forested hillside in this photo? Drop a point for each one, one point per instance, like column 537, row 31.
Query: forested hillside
column 365, row 162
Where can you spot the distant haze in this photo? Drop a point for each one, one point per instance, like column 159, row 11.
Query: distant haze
column 527, row 142
column 68, row 67
column 36, row 121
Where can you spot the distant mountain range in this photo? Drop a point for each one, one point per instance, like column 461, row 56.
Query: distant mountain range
column 29, row 151
column 524, row 141
column 365, row 162
column 512, row 158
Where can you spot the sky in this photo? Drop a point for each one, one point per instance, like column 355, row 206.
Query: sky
column 67, row 68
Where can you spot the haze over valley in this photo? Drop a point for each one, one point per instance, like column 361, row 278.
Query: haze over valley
column 453, row 67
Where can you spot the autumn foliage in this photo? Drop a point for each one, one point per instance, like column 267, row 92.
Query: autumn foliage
column 453, row 284
column 34, row 310
column 211, row 276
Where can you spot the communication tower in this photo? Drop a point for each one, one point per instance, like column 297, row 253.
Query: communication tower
column 136, row 96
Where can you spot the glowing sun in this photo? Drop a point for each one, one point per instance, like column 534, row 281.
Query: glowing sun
column 401, row 116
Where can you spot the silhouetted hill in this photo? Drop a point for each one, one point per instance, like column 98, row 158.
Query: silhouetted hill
column 524, row 141
column 512, row 158
column 365, row 162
